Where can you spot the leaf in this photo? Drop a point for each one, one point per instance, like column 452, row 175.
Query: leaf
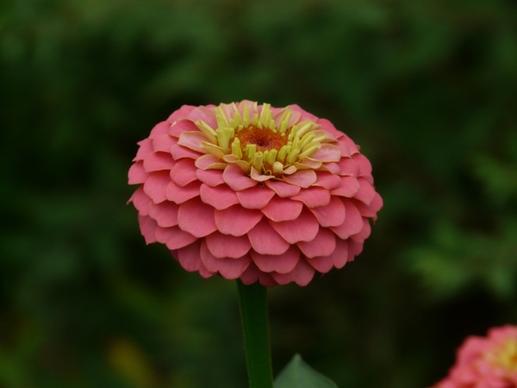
column 298, row 374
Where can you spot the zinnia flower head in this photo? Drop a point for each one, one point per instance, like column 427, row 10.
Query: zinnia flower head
column 486, row 362
column 249, row 191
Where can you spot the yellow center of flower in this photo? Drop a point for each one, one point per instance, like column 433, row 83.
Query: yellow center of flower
column 251, row 137
column 504, row 356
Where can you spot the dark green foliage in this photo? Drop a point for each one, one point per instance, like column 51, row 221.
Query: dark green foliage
column 428, row 88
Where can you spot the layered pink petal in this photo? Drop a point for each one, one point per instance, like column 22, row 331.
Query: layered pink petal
column 338, row 258
column 256, row 197
column 165, row 214
column 228, row 268
column 301, row 275
column 304, row 228
column 190, row 257
column 302, row 178
column 178, row 152
column 156, row 186
column 219, row 197
column 141, row 202
column 353, row 222
column 236, row 179
column 283, row 263
column 174, row 237
column 162, row 143
column 348, row 187
column 160, row 129
column 210, row 177
column 181, row 194
column 322, row 245
column 136, row 174
column 184, row 172
column 313, row 197
column 236, row 221
column 147, row 228
column 221, row 245
column 196, row 218
column 366, row 192
column 327, row 153
column 192, row 140
column 327, row 180
column 145, row 149
column 158, row 161
column 283, row 189
column 181, row 126
column 332, row 214
column 266, row 241
column 282, row 209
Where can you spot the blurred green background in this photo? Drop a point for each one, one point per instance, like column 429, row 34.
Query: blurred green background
column 429, row 90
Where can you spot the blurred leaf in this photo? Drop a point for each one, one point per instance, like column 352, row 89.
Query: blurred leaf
column 298, row 374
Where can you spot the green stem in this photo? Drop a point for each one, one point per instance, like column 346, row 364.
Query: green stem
column 255, row 326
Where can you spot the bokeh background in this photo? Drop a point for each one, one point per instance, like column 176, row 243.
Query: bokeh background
column 427, row 88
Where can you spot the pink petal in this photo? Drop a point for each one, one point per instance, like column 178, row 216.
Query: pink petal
column 282, row 209
column 301, row 275
column 236, row 220
column 181, row 126
column 347, row 146
column 165, row 214
column 348, row 166
column 136, row 174
column 337, row 259
column 145, row 148
column 327, row 180
column 147, row 228
column 282, row 263
column 162, row 143
column 178, row 152
column 256, row 176
column 179, row 194
column 141, row 202
column 283, row 189
column 328, row 127
column 364, row 233
column 196, row 218
column 180, row 113
column 158, row 161
column 353, row 222
column 313, row 196
column 365, row 167
column 372, row 209
column 254, row 275
column 203, row 113
column 327, row 153
column 333, row 168
column 174, row 237
column 220, row 197
column 236, row 179
column 354, row 248
column 189, row 257
column 366, row 192
column 304, row 228
column 210, row 177
column 332, row 214
column 156, row 186
column 192, row 140
column 160, row 129
column 322, row 245
column 221, row 245
column 184, row 172
column 348, row 187
column 256, row 197
column 207, row 162
column 302, row 178
column 228, row 268
column 266, row 241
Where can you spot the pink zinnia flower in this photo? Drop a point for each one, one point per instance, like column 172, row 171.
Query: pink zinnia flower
column 268, row 195
column 486, row 362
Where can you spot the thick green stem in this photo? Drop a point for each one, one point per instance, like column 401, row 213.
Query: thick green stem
column 255, row 326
